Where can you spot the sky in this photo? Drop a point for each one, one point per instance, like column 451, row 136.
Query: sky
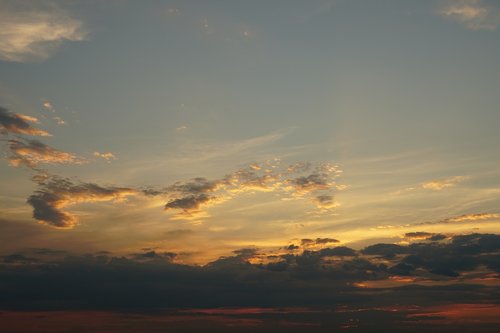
column 195, row 136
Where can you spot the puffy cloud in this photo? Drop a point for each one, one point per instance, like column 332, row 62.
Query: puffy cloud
column 106, row 156
column 32, row 31
column 55, row 194
column 16, row 123
column 33, row 152
column 474, row 14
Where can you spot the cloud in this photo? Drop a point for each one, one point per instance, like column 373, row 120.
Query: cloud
column 440, row 184
column 474, row 217
column 192, row 196
column 321, row 179
column 106, row 156
column 33, row 152
column 47, row 105
column 33, row 31
column 325, row 202
column 18, row 123
column 456, row 219
column 473, row 14
column 339, row 279
column 317, row 241
column 55, row 193
column 191, row 202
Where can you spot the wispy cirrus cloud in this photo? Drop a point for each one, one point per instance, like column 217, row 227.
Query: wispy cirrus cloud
column 56, row 193
column 477, row 217
column 33, row 31
column 17, row 123
column 473, row 14
column 440, row 184
column 31, row 153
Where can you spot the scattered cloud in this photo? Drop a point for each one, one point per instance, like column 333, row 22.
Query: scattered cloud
column 56, row 193
column 473, row 14
column 16, row 123
column 106, row 156
column 48, row 106
column 30, row 153
column 436, row 184
column 59, row 121
column 34, row 31
column 192, row 196
column 440, row 184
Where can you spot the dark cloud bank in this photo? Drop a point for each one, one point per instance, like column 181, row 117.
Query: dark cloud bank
column 319, row 291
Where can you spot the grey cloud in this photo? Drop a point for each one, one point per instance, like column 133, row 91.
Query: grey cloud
column 16, row 123
column 31, row 153
column 55, row 193
column 193, row 195
column 189, row 203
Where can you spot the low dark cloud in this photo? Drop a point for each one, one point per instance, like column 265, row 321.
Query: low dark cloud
column 56, row 193
column 19, row 259
column 16, row 123
column 153, row 255
column 331, row 277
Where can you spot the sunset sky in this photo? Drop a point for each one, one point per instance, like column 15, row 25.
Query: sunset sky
column 201, row 131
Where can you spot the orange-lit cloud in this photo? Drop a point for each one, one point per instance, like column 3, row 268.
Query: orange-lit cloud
column 478, row 217
column 193, row 196
column 55, row 194
column 473, row 217
column 30, row 153
column 18, row 124
column 440, row 184
column 473, row 14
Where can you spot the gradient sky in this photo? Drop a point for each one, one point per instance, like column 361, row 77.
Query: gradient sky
column 255, row 123
column 244, row 166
